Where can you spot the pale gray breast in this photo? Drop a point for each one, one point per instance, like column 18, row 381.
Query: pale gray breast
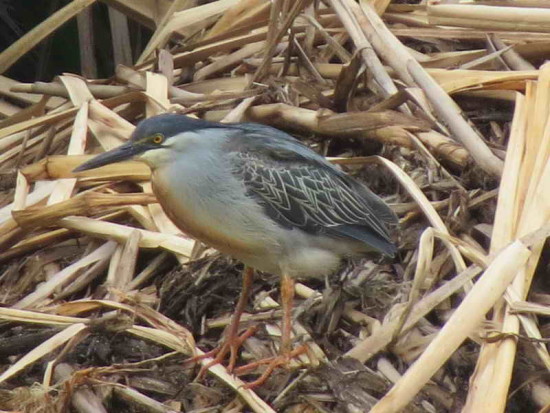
column 210, row 205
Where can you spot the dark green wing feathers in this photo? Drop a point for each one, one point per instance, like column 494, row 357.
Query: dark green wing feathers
column 300, row 189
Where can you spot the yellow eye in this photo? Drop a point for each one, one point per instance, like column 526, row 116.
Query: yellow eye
column 157, row 139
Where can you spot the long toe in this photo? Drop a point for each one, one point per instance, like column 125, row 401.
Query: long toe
column 282, row 360
column 230, row 346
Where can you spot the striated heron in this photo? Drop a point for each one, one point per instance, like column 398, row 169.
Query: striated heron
column 261, row 196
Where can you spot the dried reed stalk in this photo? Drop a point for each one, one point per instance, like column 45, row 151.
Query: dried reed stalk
column 86, row 204
column 9, row 56
column 490, row 18
column 522, row 207
column 410, row 71
column 300, row 51
column 486, row 292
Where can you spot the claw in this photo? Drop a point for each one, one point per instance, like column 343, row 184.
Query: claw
column 234, row 341
column 272, row 363
column 231, row 346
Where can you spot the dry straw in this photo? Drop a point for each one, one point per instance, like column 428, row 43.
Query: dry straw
column 89, row 255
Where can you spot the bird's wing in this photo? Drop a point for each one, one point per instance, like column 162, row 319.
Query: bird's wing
column 299, row 189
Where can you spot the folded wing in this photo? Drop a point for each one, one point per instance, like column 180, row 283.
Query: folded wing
column 300, row 189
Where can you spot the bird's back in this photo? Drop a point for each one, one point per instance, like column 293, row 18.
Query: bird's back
column 300, row 189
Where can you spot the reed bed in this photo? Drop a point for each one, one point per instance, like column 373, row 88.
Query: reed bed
column 441, row 108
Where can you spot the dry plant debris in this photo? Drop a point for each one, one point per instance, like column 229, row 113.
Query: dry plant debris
column 105, row 301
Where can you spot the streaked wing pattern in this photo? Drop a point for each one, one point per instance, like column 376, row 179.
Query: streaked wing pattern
column 311, row 196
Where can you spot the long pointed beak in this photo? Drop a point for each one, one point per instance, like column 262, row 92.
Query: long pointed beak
column 123, row 153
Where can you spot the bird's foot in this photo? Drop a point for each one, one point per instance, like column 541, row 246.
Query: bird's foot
column 272, row 363
column 231, row 345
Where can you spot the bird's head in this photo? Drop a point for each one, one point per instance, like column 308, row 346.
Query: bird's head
column 158, row 139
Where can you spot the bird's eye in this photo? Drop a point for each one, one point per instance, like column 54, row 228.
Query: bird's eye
column 157, row 139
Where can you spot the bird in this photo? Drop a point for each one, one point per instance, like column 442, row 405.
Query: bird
column 261, row 196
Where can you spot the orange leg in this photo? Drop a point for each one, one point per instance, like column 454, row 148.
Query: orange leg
column 285, row 353
column 272, row 363
column 287, row 299
column 233, row 341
